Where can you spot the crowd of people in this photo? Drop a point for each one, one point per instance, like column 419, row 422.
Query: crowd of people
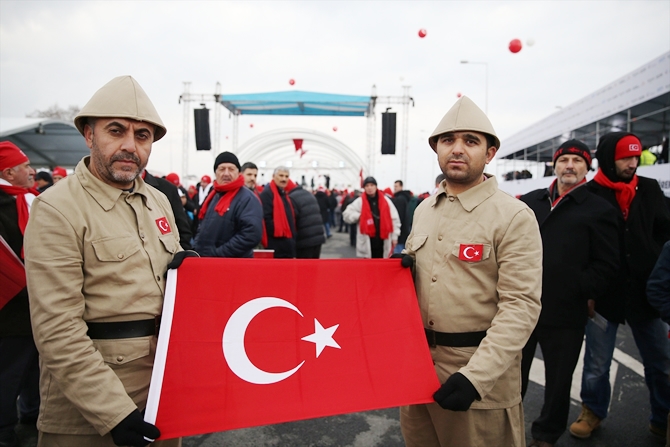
column 495, row 276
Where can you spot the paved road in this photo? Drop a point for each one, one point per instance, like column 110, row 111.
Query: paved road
column 627, row 425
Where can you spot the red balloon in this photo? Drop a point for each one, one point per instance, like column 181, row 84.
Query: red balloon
column 251, row 125
column 422, row 33
column 334, row 128
column 515, row 46
column 458, row 95
column 291, row 81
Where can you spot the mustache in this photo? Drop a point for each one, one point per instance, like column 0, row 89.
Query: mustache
column 460, row 157
column 126, row 156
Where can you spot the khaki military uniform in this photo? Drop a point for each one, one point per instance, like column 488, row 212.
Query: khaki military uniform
column 95, row 253
column 499, row 294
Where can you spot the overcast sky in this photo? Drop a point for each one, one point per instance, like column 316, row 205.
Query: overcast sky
column 62, row 52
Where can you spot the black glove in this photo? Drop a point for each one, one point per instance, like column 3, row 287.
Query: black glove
column 407, row 261
column 457, row 393
column 179, row 258
column 132, row 431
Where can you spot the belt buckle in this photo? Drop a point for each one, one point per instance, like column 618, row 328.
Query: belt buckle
column 430, row 336
column 157, row 324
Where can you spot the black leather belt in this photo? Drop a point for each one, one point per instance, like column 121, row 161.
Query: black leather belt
column 456, row 339
column 124, row 329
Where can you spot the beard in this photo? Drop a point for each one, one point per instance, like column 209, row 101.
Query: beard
column 110, row 173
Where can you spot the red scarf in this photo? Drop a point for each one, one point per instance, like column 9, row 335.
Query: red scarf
column 264, row 237
column 282, row 228
column 367, row 223
column 553, row 188
column 624, row 192
column 224, row 202
column 21, row 204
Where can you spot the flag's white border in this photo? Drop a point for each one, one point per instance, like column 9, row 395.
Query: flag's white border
column 161, row 350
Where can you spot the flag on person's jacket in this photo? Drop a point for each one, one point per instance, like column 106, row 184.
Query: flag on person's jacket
column 248, row 342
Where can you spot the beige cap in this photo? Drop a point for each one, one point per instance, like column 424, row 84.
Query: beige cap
column 464, row 115
column 121, row 97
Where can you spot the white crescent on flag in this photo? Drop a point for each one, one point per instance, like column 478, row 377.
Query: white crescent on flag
column 233, row 341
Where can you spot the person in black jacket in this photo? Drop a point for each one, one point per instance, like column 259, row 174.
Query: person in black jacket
column 644, row 226
column 231, row 216
column 279, row 215
column 323, row 202
column 172, row 193
column 308, row 222
column 580, row 257
column 19, row 360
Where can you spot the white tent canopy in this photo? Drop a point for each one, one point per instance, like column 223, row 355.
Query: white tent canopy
column 47, row 142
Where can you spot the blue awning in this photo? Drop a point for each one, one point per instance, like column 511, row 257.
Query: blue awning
column 296, row 102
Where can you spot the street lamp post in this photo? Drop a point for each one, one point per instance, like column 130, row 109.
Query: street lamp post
column 486, row 90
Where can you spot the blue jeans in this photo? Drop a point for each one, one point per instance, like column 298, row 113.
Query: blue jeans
column 651, row 338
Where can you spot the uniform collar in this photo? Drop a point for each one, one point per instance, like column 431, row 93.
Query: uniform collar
column 107, row 196
column 471, row 198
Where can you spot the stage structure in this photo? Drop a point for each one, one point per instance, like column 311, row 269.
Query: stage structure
column 297, row 103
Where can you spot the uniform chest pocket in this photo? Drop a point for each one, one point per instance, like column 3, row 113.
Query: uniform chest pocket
column 169, row 242
column 115, row 249
column 416, row 242
column 471, row 251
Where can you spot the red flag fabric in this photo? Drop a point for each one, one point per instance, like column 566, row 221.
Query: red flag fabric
column 12, row 273
column 471, row 252
column 298, row 144
column 249, row 349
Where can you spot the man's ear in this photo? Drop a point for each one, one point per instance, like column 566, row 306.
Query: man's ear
column 490, row 153
column 88, row 135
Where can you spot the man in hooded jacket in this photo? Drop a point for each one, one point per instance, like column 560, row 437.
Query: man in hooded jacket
column 308, row 222
column 478, row 275
column 644, row 226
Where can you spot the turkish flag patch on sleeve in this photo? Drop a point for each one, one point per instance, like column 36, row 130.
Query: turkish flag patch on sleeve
column 163, row 225
column 471, row 252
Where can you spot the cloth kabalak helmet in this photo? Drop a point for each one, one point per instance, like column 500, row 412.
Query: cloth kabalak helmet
column 464, row 115
column 122, row 97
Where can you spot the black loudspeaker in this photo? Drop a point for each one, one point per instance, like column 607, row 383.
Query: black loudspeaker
column 388, row 133
column 202, row 139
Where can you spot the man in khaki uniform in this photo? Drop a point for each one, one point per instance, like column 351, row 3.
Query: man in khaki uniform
column 97, row 247
column 478, row 269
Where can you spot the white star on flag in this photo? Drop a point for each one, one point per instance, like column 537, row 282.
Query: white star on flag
column 322, row 337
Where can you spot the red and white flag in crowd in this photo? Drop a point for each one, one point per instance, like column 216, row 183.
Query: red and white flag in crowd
column 248, row 342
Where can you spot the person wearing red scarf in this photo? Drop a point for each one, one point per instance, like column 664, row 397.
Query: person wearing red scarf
column 580, row 242
column 378, row 222
column 279, row 215
column 19, row 374
column 644, row 226
column 231, row 215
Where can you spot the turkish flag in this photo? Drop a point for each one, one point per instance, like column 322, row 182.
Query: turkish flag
column 248, row 342
column 297, row 142
column 471, row 252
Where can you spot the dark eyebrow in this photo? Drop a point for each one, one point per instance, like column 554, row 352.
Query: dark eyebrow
column 115, row 123
column 471, row 136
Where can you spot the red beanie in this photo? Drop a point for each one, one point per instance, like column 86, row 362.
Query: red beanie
column 59, row 171
column 206, row 179
column 11, row 155
column 172, row 178
column 628, row 146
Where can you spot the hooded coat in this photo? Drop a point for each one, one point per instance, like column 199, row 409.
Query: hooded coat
column 641, row 238
column 308, row 219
